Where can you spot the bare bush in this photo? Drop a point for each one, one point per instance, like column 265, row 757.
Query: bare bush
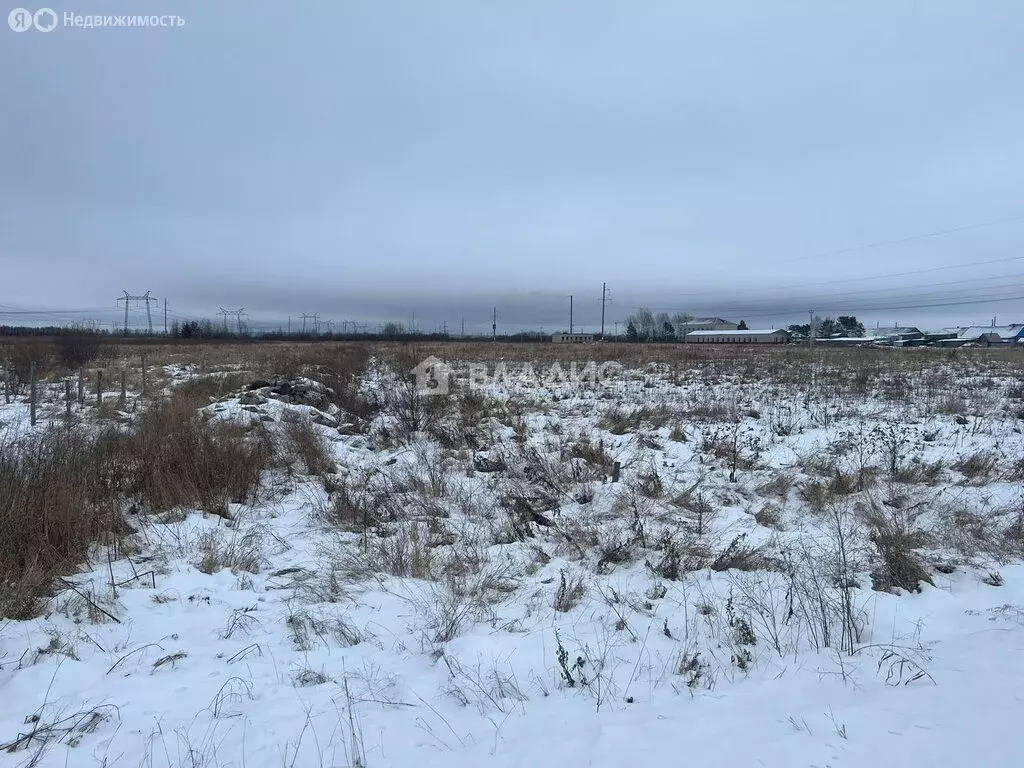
column 897, row 539
column 978, row 466
column 740, row 556
column 402, row 550
column 353, row 506
column 178, row 460
column 202, row 390
column 77, row 349
column 53, row 506
column 570, row 590
column 227, row 548
column 303, row 442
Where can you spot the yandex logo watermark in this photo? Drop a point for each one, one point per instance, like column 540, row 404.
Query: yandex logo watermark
column 47, row 20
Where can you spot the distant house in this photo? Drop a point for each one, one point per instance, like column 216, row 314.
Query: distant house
column 942, row 338
column 706, row 324
column 991, row 336
column 733, row 336
column 572, row 338
column 898, row 335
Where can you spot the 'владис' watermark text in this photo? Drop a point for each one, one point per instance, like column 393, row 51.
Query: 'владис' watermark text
column 47, row 20
column 434, row 376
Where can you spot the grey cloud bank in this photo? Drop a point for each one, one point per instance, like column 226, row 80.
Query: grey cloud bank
column 368, row 160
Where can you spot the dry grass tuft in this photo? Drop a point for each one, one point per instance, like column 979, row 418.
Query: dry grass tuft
column 54, row 503
column 303, row 443
column 569, row 592
column 896, row 539
column 178, row 460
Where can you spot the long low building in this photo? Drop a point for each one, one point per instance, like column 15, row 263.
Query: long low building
column 774, row 336
column 572, row 338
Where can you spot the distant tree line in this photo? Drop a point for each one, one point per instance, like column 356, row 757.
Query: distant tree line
column 844, row 326
column 645, row 325
column 207, row 330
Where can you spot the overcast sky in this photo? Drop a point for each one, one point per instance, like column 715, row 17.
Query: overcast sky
column 374, row 160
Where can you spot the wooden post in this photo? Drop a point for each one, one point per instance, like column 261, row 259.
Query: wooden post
column 143, row 355
column 615, row 472
column 124, row 389
column 99, row 388
column 7, row 389
column 67, row 400
column 81, row 387
column 32, row 392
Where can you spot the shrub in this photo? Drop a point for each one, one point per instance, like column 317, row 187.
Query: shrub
column 569, row 592
column 53, row 504
column 179, row 460
column 303, row 443
column 77, row 349
column 978, row 466
column 896, row 541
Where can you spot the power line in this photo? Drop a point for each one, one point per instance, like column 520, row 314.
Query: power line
column 864, row 304
column 859, row 308
column 885, row 243
column 911, row 238
column 841, row 281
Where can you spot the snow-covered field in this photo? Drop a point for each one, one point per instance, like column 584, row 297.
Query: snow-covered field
column 463, row 583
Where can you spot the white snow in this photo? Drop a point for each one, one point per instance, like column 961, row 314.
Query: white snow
column 314, row 661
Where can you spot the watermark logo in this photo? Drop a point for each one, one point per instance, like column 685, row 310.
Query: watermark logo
column 47, row 20
column 22, row 20
column 432, row 376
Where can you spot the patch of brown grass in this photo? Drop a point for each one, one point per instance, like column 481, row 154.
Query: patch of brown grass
column 54, row 504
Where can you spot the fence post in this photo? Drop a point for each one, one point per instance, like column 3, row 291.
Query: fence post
column 7, row 389
column 32, row 392
column 67, row 400
column 99, row 388
column 615, row 472
column 124, row 389
column 81, row 387
column 143, row 356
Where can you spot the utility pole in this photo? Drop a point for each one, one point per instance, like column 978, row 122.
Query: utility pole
column 810, row 328
column 165, row 317
column 604, row 294
column 494, row 325
column 570, row 313
column 463, row 327
column 128, row 298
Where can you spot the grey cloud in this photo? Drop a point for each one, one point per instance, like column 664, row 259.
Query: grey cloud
column 376, row 158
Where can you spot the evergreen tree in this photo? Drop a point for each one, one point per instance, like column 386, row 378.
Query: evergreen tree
column 850, row 326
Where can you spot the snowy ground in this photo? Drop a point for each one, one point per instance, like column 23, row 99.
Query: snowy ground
column 466, row 586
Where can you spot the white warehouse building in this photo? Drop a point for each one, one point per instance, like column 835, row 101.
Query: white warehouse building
column 774, row 336
column 572, row 338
